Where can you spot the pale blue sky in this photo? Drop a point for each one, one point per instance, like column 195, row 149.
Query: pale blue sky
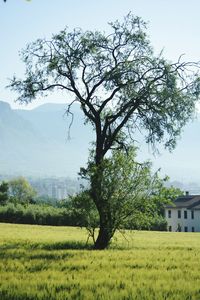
column 173, row 25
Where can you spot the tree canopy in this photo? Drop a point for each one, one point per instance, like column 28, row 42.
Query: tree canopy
column 116, row 78
column 21, row 191
column 121, row 85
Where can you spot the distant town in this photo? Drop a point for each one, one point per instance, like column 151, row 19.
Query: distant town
column 61, row 187
column 53, row 187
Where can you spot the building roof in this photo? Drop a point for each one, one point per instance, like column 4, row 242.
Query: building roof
column 187, row 201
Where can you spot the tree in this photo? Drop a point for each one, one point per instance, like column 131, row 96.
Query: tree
column 121, row 86
column 3, row 193
column 164, row 195
column 84, row 212
column 21, row 191
column 150, row 213
column 136, row 197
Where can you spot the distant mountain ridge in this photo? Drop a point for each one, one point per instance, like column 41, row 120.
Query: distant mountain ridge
column 35, row 142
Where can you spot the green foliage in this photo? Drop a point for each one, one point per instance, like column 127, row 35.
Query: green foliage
column 46, row 200
column 84, row 212
column 36, row 214
column 4, row 193
column 20, row 191
column 149, row 214
column 163, row 195
column 135, row 197
column 146, row 220
column 117, row 70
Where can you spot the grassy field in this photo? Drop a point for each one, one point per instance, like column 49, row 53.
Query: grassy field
column 39, row 263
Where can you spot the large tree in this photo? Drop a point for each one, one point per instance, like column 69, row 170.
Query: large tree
column 121, row 86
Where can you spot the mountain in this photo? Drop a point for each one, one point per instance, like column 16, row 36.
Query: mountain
column 183, row 163
column 35, row 142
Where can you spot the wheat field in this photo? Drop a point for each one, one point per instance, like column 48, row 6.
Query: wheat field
column 54, row 263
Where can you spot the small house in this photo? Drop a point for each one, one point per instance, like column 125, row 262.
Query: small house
column 184, row 214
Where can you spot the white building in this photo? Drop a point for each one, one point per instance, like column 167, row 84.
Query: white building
column 184, row 214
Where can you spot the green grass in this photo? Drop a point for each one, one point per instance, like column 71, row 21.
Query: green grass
column 39, row 263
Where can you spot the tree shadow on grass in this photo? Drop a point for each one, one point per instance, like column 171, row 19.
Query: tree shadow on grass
column 65, row 245
column 51, row 251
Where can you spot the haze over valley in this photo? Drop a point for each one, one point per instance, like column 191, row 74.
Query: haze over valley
column 36, row 143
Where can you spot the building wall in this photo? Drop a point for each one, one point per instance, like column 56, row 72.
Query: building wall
column 174, row 222
column 57, row 188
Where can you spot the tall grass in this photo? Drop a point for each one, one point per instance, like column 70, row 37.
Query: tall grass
column 39, row 263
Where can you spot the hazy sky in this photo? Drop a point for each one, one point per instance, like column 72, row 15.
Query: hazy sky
column 173, row 25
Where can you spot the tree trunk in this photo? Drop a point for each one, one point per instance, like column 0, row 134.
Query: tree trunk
column 103, row 239
column 105, row 233
column 105, row 217
column 105, row 227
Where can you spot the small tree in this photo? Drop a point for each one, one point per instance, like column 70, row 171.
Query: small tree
column 21, row 191
column 121, row 86
column 84, row 213
column 135, row 197
column 150, row 212
column 164, row 195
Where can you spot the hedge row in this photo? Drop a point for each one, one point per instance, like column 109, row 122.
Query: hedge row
column 55, row 216
column 36, row 214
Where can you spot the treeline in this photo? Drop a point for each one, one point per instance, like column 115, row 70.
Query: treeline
column 19, row 203
column 36, row 214
column 40, row 214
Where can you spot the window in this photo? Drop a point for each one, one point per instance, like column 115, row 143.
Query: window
column 170, row 228
column 193, row 229
column 186, row 229
column 185, row 214
column 178, row 228
column 179, row 214
column 192, row 214
column 169, row 213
